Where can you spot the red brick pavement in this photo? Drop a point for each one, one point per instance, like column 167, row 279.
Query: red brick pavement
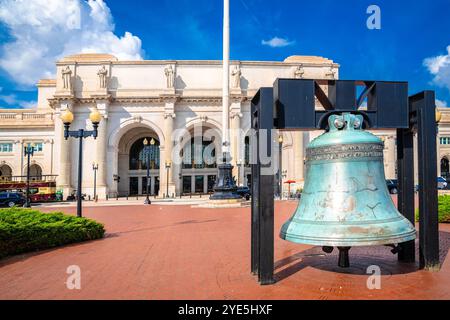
column 179, row 252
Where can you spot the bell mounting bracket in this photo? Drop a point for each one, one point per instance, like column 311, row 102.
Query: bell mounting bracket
column 302, row 104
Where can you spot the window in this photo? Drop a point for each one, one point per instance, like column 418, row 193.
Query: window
column 139, row 153
column 199, row 156
column 38, row 146
column 444, row 140
column 6, row 147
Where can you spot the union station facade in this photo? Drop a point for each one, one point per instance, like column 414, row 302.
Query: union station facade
column 150, row 100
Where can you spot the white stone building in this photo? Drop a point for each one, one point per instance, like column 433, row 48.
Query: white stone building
column 149, row 100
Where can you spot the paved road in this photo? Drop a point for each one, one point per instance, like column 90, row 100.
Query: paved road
column 179, row 252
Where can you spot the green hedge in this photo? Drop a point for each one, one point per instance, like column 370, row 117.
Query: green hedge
column 443, row 209
column 23, row 230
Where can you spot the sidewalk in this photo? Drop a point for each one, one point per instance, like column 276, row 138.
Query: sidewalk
column 132, row 201
column 180, row 252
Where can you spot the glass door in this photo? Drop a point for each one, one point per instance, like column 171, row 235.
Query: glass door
column 156, row 191
column 187, row 184
column 134, row 185
column 199, row 185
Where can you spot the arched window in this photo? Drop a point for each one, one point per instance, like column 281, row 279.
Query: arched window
column 35, row 172
column 139, row 151
column 445, row 168
column 199, row 156
column 5, row 173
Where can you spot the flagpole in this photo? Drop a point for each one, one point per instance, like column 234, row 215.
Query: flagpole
column 226, row 79
column 225, row 187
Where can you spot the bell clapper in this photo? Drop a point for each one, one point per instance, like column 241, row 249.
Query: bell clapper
column 344, row 261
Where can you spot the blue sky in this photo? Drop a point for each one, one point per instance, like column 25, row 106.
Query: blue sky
column 411, row 31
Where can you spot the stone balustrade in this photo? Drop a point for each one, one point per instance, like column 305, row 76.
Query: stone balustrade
column 12, row 118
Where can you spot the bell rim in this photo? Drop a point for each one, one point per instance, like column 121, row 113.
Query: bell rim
column 350, row 242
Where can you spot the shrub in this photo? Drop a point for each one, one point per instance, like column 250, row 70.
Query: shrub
column 443, row 209
column 23, row 230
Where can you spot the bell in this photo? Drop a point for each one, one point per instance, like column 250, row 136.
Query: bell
column 345, row 201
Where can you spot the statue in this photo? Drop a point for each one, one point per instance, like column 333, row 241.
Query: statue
column 236, row 73
column 298, row 73
column 66, row 77
column 102, row 74
column 170, row 76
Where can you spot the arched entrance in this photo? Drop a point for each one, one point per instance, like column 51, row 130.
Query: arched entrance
column 132, row 162
column 445, row 168
column 5, row 173
column 199, row 162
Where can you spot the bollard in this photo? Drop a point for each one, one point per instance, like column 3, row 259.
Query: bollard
column 107, row 197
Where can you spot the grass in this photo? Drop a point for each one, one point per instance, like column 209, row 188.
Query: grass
column 25, row 230
column 443, row 209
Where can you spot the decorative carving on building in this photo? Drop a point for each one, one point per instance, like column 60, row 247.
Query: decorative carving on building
column 236, row 74
column 298, row 73
column 67, row 78
column 331, row 72
column 169, row 115
column 236, row 114
column 169, row 71
column 137, row 119
column 102, row 77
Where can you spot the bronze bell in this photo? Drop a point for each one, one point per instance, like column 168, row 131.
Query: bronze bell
column 345, row 201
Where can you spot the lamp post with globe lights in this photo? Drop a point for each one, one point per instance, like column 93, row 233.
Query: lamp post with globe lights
column 29, row 152
column 80, row 134
column 147, row 149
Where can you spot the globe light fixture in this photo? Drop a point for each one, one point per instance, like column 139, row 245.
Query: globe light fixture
column 67, row 117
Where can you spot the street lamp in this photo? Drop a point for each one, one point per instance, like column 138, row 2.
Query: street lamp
column 95, row 168
column 280, row 178
column 147, row 156
column 29, row 152
column 168, row 165
column 80, row 134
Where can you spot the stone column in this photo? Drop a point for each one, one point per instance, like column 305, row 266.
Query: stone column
column 235, row 136
column 390, row 157
column 167, row 182
column 64, row 180
column 299, row 155
column 438, row 148
column 101, row 149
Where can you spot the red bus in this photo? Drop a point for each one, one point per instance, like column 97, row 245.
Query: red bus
column 42, row 188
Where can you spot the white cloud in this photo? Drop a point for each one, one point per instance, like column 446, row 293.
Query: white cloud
column 277, row 42
column 47, row 30
column 441, row 103
column 439, row 67
column 12, row 101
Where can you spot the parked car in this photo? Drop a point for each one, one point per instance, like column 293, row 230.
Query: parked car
column 392, row 185
column 244, row 192
column 441, row 183
column 11, row 199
